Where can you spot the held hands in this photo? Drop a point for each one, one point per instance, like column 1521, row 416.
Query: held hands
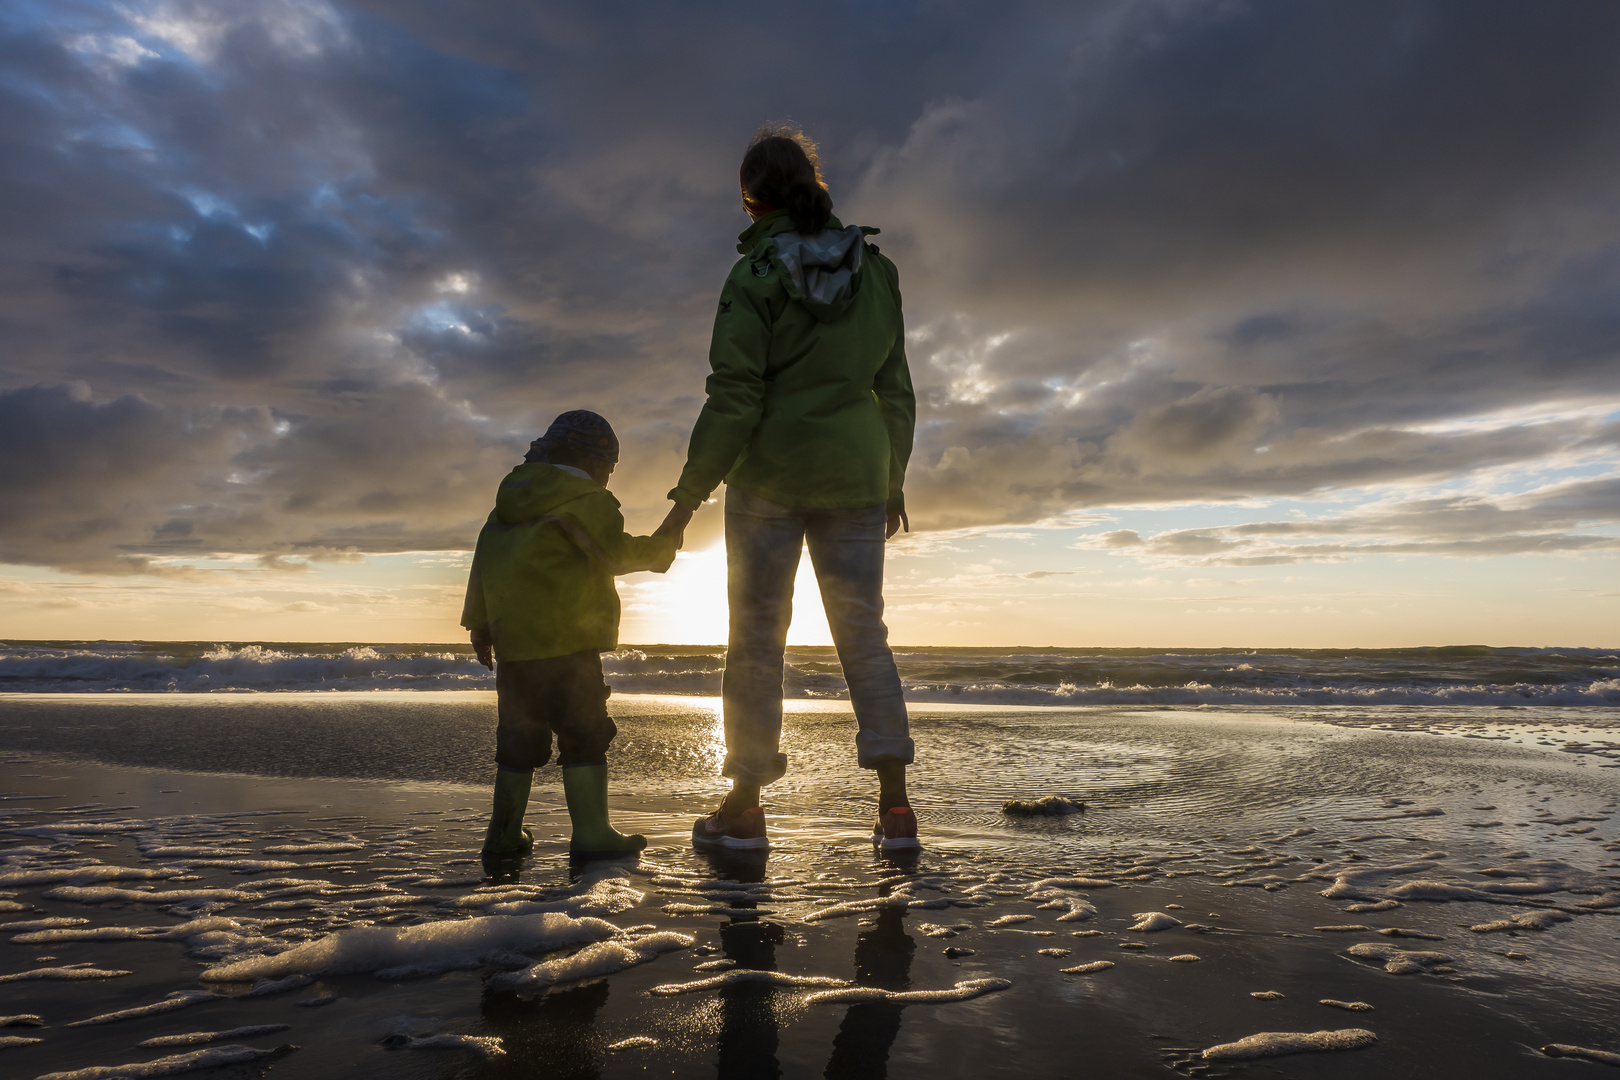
column 674, row 525
column 897, row 521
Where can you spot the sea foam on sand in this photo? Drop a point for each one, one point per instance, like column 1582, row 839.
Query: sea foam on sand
column 180, row 999
column 1398, row 961
column 962, row 991
column 69, row 973
column 1602, row 1057
column 425, row 949
column 1277, row 1043
column 210, row 1058
column 198, row 1038
column 593, row 961
column 732, row 978
column 1088, row 969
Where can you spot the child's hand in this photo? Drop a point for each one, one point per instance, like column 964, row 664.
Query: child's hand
column 674, row 524
column 897, row 518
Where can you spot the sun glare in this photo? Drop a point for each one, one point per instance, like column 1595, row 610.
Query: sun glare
column 687, row 606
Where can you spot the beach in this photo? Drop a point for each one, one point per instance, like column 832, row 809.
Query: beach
column 1448, row 876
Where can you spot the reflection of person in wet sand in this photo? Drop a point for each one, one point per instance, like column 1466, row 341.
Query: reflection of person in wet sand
column 556, row 1035
column 809, row 422
column 749, row 1025
column 749, row 1020
column 748, row 1017
column 883, row 954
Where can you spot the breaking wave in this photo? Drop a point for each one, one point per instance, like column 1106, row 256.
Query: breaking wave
column 1063, row 677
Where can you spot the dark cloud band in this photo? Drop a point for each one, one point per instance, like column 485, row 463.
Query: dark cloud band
column 303, row 278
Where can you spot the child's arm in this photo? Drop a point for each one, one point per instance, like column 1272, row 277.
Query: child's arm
column 655, row 553
column 475, row 616
column 599, row 530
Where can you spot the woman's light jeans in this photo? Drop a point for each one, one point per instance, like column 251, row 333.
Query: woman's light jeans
column 763, row 540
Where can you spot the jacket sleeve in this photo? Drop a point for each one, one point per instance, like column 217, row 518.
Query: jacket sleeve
column 736, row 390
column 897, row 401
column 474, row 615
column 600, row 531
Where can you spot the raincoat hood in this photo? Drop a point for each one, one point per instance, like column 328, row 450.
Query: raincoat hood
column 822, row 272
column 538, row 488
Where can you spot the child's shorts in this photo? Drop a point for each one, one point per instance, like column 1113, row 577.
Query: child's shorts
column 564, row 694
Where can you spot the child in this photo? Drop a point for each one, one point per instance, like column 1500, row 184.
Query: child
column 541, row 602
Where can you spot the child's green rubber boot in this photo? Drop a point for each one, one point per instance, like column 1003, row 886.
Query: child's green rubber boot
column 585, row 787
column 507, row 836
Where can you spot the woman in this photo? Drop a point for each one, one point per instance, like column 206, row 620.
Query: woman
column 809, row 422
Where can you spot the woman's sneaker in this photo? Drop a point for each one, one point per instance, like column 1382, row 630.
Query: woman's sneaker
column 896, row 830
column 743, row 831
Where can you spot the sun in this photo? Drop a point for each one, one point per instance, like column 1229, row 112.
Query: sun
column 687, row 606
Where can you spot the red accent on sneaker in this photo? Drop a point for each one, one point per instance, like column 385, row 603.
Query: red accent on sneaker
column 745, row 828
column 896, row 828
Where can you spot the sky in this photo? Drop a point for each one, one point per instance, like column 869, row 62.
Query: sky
column 1231, row 322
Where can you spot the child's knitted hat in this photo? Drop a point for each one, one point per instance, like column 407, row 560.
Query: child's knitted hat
column 580, row 431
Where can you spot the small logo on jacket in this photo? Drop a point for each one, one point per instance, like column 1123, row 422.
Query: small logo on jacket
column 725, row 306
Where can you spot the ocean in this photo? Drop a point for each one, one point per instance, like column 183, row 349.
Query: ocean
column 1450, row 675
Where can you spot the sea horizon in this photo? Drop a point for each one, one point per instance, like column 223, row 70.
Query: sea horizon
column 1453, row 675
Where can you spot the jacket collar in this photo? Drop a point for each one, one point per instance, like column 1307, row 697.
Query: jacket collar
column 777, row 221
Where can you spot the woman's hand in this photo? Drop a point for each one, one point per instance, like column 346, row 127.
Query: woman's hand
column 897, row 521
column 484, row 647
column 674, row 524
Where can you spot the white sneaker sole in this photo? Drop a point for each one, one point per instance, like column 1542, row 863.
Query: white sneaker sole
column 732, row 843
column 901, row 843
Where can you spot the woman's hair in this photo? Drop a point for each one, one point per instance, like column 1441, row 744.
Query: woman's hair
column 781, row 171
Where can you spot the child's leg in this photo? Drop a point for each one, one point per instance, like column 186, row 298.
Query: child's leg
column 506, row 834
column 584, row 732
column 522, row 744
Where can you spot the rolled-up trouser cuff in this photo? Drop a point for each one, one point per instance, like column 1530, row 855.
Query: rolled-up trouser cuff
column 757, row 773
column 872, row 750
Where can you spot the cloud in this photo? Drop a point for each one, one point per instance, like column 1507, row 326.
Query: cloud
column 1570, row 517
column 299, row 280
column 1212, row 424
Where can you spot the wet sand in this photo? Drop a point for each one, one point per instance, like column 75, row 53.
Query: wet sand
column 1230, row 825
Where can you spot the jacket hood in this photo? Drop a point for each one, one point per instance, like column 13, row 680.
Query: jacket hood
column 538, row 488
column 823, row 271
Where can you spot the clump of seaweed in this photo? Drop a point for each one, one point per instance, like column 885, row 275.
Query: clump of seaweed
column 1045, row 806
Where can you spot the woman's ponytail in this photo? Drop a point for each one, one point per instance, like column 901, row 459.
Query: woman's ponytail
column 781, row 171
column 809, row 206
